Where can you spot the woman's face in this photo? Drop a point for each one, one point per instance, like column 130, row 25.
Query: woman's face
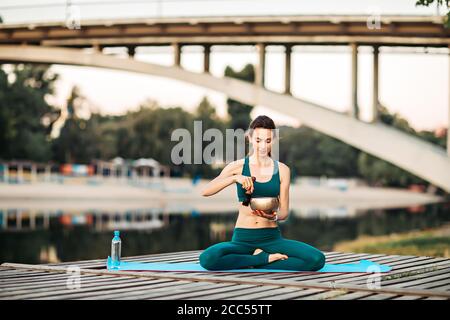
column 261, row 140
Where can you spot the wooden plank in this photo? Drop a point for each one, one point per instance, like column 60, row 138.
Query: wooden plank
column 204, row 293
column 131, row 293
column 48, row 291
column 63, row 286
column 50, row 281
column 43, row 276
column 225, row 295
column 296, row 294
column 419, row 278
column 404, row 279
column 281, row 283
column 427, row 284
column 37, row 285
column 434, row 298
column 323, row 295
column 351, row 296
column 36, row 278
column 267, row 292
column 396, row 266
column 238, row 293
column 64, row 291
column 162, row 294
column 444, row 288
column 379, row 297
column 172, row 286
column 407, row 298
column 400, row 272
column 21, row 274
column 4, row 269
column 321, row 277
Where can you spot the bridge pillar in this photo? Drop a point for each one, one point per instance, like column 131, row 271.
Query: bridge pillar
column 354, row 110
column 176, row 54
column 259, row 76
column 375, row 98
column 206, row 58
column 131, row 51
column 97, row 48
column 287, row 69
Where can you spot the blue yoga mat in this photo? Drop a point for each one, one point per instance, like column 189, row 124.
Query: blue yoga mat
column 361, row 266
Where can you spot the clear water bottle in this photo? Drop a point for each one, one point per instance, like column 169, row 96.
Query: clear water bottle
column 116, row 245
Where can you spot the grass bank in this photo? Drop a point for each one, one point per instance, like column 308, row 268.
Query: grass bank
column 429, row 242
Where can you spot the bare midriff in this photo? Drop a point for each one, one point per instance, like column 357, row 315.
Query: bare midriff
column 247, row 219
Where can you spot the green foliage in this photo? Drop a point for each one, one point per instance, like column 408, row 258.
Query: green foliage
column 427, row 3
column 78, row 138
column 311, row 153
column 26, row 119
column 379, row 172
column 206, row 113
column 240, row 112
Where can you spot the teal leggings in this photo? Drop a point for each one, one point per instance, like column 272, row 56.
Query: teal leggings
column 238, row 253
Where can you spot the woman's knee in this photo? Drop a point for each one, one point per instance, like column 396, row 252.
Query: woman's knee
column 209, row 258
column 318, row 261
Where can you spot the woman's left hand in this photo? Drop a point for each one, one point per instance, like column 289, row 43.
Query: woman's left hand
column 261, row 213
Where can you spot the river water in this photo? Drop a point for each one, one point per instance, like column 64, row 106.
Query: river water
column 58, row 236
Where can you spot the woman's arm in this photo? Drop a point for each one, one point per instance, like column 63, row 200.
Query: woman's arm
column 285, row 182
column 224, row 179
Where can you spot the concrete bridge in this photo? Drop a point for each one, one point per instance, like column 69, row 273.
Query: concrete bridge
column 56, row 44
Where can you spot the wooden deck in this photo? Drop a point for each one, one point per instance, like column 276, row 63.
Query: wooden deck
column 411, row 278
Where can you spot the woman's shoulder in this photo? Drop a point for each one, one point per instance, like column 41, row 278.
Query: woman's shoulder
column 235, row 165
column 283, row 167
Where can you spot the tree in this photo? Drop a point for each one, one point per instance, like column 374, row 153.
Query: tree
column 240, row 112
column 26, row 119
column 78, row 141
column 439, row 3
column 380, row 172
column 206, row 113
column 311, row 153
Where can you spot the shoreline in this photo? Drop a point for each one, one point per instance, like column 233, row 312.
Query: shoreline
column 175, row 195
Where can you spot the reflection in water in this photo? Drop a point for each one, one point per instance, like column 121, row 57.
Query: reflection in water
column 53, row 236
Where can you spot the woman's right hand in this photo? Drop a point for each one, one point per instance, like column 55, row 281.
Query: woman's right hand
column 246, row 182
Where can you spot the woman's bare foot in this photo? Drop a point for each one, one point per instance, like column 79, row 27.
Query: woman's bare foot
column 277, row 256
column 257, row 251
column 272, row 257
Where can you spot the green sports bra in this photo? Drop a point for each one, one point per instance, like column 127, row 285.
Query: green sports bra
column 270, row 188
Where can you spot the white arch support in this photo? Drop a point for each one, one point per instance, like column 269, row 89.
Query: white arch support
column 428, row 161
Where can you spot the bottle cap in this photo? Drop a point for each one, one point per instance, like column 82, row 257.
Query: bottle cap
column 116, row 233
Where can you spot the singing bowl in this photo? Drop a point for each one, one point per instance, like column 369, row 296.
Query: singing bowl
column 266, row 204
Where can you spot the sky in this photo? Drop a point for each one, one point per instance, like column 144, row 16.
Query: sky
column 414, row 85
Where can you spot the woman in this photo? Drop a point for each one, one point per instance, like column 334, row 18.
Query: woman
column 257, row 241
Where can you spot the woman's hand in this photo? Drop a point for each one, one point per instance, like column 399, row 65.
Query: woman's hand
column 247, row 182
column 269, row 216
